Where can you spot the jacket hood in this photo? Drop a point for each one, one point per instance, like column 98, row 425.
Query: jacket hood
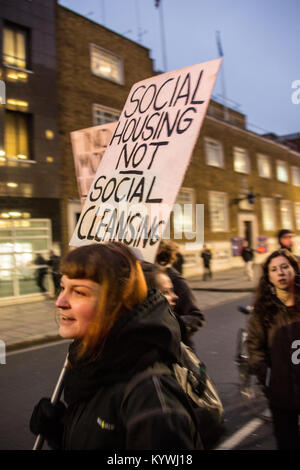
column 148, row 333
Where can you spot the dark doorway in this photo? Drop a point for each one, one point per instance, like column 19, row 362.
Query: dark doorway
column 248, row 231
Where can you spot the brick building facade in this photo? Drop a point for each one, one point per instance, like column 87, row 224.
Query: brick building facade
column 96, row 69
column 71, row 73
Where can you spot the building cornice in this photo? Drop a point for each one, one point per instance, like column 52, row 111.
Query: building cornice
column 252, row 134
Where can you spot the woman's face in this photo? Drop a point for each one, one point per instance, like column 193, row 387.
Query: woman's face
column 281, row 273
column 77, row 304
column 165, row 286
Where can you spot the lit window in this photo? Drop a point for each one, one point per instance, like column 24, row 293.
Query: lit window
column 241, row 160
column 268, row 213
column 218, row 208
column 13, row 104
column 17, row 135
column 264, row 166
column 106, row 64
column 282, row 171
column 15, row 41
column 183, row 211
column 286, row 214
column 295, row 170
column 103, row 114
column 297, row 215
column 214, row 153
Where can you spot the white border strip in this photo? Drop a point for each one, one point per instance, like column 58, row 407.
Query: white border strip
column 240, row 435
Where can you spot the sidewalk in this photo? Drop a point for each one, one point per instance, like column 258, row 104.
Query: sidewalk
column 32, row 323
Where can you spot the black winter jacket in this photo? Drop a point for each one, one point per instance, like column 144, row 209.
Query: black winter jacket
column 273, row 347
column 156, row 414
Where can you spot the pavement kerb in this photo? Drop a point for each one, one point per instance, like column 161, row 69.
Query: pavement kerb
column 35, row 341
column 217, row 289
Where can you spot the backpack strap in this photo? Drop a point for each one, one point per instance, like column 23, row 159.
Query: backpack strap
column 157, row 368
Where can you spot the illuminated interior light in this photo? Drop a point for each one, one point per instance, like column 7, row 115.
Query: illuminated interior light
column 12, row 76
column 5, row 215
column 49, row 134
column 22, row 157
column 12, row 184
column 50, row 159
column 13, row 102
column 105, row 70
column 15, row 214
column 2, row 153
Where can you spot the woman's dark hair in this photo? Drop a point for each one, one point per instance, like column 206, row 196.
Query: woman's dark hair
column 266, row 303
column 166, row 253
column 151, row 271
column 115, row 267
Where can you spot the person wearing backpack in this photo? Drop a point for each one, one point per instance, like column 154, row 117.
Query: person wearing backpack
column 189, row 370
column 119, row 331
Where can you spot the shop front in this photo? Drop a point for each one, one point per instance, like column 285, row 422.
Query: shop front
column 24, row 251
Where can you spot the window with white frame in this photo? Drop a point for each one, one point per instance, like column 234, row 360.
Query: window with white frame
column 282, row 171
column 264, row 166
column 106, row 64
column 286, row 214
column 268, row 213
column 297, row 215
column 295, row 171
column 183, row 211
column 103, row 114
column 218, row 209
column 213, row 152
column 241, row 162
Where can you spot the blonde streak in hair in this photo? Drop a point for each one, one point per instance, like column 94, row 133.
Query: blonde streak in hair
column 136, row 287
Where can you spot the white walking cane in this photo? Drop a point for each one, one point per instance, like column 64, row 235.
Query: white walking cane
column 39, row 442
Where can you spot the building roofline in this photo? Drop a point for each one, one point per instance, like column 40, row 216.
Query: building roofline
column 101, row 26
column 246, row 131
column 295, row 135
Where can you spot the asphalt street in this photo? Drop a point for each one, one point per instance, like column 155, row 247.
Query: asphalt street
column 31, row 374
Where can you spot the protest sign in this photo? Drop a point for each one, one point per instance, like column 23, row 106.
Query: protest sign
column 88, row 147
column 141, row 172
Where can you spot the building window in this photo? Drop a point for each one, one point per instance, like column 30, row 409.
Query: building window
column 268, row 213
column 295, row 170
column 241, row 162
column 282, row 171
column 103, row 114
column 264, row 166
column 15, row 46
column 183, row 211
column 218, row 208
column 106, row 64
column 17, row 135
column 286, row 214
column 214, row 153
column 297, row 215
column 20, row 241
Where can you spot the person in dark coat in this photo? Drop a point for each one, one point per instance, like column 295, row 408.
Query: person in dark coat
column 248, row 255
column 273, row 339
column 186, row 305
column 179, row 261
column 206, row 256
column 285, row 239
column 41, row 271
column 119, row 330
column 54, row 264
